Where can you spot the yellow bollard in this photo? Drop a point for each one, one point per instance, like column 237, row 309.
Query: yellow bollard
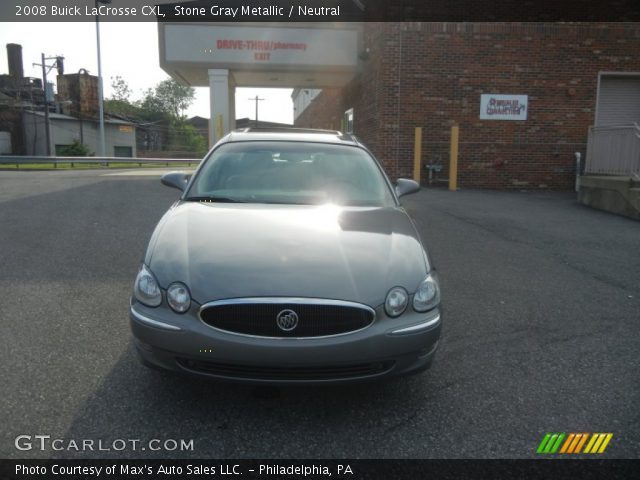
column 417, row 155
column 219, row 128
column 453, row 159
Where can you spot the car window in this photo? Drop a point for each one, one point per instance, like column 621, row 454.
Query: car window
column 291, row 173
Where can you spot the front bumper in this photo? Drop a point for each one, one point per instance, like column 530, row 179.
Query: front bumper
column 389, row 347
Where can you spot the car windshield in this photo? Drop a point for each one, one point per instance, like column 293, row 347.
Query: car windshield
column 291, row 173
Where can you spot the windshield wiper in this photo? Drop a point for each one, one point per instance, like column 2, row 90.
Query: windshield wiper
column 213, row 198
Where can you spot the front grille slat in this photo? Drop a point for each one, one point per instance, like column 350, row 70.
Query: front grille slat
column 259, row 319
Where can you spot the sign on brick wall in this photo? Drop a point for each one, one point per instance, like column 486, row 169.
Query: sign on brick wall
column 503, row 107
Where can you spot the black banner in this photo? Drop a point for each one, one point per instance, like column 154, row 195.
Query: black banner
column 321, row 11
column 582, row 469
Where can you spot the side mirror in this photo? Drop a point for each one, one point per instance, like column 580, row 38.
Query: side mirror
column 405, row 186
column 177, row 180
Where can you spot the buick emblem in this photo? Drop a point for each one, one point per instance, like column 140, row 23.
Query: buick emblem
column 287, row 320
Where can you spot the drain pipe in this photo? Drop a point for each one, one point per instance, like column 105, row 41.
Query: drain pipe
column 578, row 165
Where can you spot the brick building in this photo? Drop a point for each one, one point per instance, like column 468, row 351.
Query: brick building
column 432, row 75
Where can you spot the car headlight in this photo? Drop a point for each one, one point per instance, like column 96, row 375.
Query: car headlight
column 396, row 301
column 427, row 295
column 146, row 288
column 178, row 297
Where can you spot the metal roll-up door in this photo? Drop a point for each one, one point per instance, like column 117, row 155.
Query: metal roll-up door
column 618, row 100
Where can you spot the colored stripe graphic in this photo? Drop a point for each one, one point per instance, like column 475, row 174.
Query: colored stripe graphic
column 543, row 443
column 565, row 447
column 598, row 442
column 550, row 443
column 581, row 443
column 556, row 445
column 578, row 442
column 605, row 443
column 591, row 442
column 573, row 443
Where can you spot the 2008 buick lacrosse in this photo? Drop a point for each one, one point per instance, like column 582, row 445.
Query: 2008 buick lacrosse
column 287, row 259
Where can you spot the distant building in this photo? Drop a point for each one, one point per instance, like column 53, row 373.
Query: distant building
column 302, row 98
column 120, row 136
column 73, row 114
column 247, row 122
column 201, row 124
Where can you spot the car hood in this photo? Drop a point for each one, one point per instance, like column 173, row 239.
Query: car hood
column 250, row 250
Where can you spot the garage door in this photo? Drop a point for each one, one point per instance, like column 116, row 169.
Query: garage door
column 618, row 100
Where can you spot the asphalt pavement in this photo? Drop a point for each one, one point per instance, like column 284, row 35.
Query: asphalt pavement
column 541, row 334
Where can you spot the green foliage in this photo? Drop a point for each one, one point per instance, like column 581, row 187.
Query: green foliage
column 122, row 108
column 168, row 98
column 163, row 105
column 184, row 137
column 151, row 107
column 76, row 149
column 167, row 101
column 121, row 90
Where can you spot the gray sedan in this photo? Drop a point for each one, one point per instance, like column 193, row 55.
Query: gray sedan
column 287, row 259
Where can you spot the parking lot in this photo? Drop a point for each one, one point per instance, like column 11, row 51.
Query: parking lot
column 541, row 334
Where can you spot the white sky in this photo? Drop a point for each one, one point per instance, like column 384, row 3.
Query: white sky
column 129, row 50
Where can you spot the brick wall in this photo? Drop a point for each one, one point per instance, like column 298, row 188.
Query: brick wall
column 431, row 75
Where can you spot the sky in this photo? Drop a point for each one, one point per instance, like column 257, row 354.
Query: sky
column 129, row 50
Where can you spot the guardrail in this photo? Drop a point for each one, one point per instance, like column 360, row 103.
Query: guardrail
column 55, row 161
column 613, row 150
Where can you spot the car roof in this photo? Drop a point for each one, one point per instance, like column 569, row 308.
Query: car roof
column 291, row 135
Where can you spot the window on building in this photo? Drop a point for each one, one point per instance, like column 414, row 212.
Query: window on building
column 347, row 121
column 119, row 151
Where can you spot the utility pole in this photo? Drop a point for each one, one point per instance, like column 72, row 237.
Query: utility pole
column 46, row 107
column 256, row 100
column 58, row 63
column 80, row 109
column 100, row 88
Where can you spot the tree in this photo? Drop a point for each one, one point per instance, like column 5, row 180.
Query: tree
column 169, row 98
column 121, row 90
column 76, row 149
column 119, row 103
column 185, row 138
column 163, row 107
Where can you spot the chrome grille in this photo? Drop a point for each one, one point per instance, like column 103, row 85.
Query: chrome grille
column 315, row 318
